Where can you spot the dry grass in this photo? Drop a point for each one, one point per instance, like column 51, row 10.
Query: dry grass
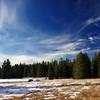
column 65, row 93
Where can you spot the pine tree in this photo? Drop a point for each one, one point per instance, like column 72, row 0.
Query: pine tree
column 94, row 68
column 95, row 65
column 40, row 70
column 98, row 63
column 77, row 70
column 6, row 69
column 51, row 71
column 33, row 70
column 81, row 67
column 0, row 72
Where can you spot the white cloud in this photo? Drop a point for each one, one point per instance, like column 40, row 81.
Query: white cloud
column 85, row 50
column 6, row 14
column 55, row 40
column 69, row 46
column 92, row 20
column 87, row 23
column 9, row 14
column 58, row 45
column 60, row 51
column 3, row 14
column 81, row 40
column 17, row 59
column 91, row 38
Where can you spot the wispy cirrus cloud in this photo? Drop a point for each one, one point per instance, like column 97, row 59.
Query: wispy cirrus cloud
column 87, row 23
column 7, row 14
column 21, row 41
column 92, row 20
column 58, row 47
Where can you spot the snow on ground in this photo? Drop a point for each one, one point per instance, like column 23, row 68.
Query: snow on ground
column 12, row 80
column 19, row 80
column 19, row 87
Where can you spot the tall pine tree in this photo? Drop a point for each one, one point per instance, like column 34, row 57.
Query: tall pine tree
column 6, row 69
column 81, row 68
column 96, row 65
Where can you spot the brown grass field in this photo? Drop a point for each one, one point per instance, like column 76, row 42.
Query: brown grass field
column 88, row 89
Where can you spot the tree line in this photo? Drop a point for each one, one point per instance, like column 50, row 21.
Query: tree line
column 80, row 68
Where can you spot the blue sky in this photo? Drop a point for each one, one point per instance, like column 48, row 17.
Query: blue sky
column 36, row 30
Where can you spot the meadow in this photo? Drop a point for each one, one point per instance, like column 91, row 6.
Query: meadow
column 44, row 89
